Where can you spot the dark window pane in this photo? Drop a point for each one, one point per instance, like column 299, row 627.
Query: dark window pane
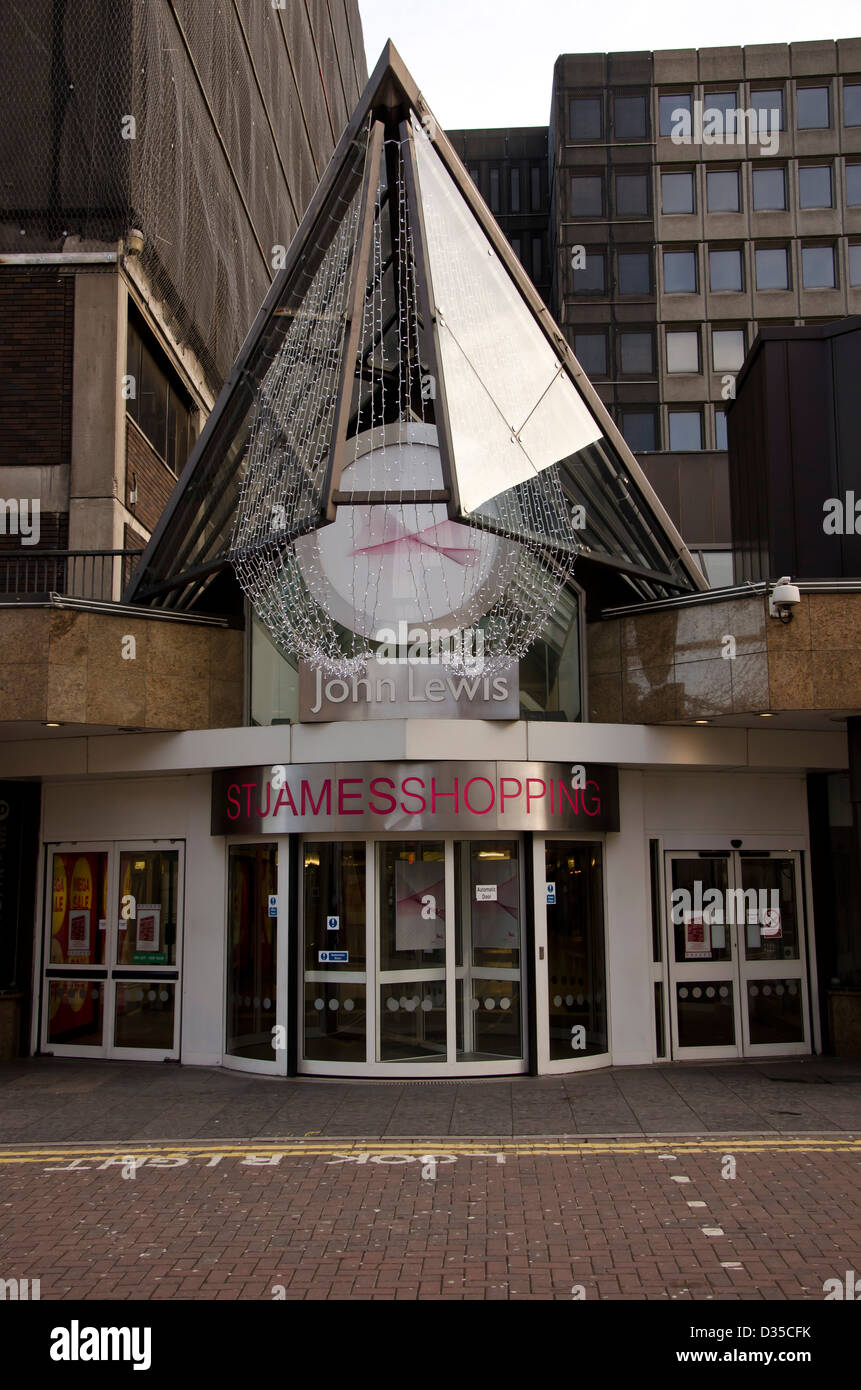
column 853, row 185
column 855, row 265
column 178, row 433
column 772, row 268
column 670, row 109
column 473, row 174
column 629, row 117
column 722, row 190
column 535, row 186
column 494, row 190
column 585, row 118
column 632, row 195
column 515, row 246
column 590, row 279
column 152, row 394
column 814, row 185
column 686, row 431
column 720, row 429
column 766, row 102
column 817, row 267
column 852, row 104
column 680, row 272
column 537, row 258
column 769, row 189
column 725, row 270
column 638, row 429
column 637, row 354
column 587, row 195
column 813, row 111
column 590, row 349
column 635, row 272
column 724, row 103
column 677, row 192
column 515, row 190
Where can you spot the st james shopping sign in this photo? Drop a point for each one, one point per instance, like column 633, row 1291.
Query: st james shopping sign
column 411, row 796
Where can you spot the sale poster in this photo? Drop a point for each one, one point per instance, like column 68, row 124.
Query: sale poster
column 79, row 933
column 698, row 945
column 419, row 905
column 148, row 935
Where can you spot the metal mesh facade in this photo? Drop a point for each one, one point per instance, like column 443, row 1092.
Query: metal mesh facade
column 205, row 126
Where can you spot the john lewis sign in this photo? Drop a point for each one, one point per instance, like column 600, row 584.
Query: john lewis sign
column 485, row 796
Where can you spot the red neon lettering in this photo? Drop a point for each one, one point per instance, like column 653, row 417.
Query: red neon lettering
column 435, row 794
column 387, row 781
column 575, row 804
column 466, row 796
column 248, row 788
column 536, row 782
column 404, row 792
column 502, row 783
column 326, row 791
column 348, row 796
column 596, row 800
column 233, row 799
column 268, row 799
column 287, row 796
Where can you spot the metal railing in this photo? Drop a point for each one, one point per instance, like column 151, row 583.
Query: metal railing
column 85, row 574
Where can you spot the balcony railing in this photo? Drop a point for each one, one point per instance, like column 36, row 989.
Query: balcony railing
column 99, row 575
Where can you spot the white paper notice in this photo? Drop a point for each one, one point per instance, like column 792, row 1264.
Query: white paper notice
column 485, row 892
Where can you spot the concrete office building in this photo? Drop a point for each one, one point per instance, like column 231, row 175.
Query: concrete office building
column 692, row 247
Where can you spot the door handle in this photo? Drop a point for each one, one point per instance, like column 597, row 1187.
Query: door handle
column 540, row 952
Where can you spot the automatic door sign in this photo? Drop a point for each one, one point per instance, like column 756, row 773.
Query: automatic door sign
column 770, row 923
column 485, row 892
column 333, row 957
column 333, row 923
column 551, row 894
column 273, row 904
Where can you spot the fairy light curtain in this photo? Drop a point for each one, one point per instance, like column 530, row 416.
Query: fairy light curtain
column 429, row 441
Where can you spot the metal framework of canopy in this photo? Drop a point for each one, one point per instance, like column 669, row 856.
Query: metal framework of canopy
column 404, row 366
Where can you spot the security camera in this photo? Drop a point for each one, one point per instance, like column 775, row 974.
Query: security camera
column 784, row 597
column 134, row 241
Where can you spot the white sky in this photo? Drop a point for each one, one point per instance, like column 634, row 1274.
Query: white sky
column 490, row 62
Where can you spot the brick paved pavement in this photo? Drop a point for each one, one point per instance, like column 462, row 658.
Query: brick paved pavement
column 63, row 1099
column 615, row 1220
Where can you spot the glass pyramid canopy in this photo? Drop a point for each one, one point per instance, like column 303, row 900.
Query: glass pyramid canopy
column 406, row 434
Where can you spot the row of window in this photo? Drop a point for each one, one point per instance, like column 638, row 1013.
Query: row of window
column 529, row 250
column 816, row 185
column 510, row 188
column 628, row 113
column 684, row 428
column 727, row 272
column 635, row 350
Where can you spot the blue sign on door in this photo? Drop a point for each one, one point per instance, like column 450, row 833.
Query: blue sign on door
column 333, row 923
column 333, row 957
column 273, row 904
column 551, row 894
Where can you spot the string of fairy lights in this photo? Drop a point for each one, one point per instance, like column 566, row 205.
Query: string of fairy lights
column 397, row 557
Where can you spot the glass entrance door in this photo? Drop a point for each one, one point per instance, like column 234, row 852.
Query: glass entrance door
column 738, row 983
column 412, row 956
column 113, row 950
column 571, row 985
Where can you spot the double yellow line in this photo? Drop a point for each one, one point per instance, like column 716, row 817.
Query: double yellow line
column 313, row 1147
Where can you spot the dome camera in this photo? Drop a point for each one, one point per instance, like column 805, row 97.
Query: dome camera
column 784, row 597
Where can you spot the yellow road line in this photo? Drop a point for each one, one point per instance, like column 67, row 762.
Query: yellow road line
column 298, row 1148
